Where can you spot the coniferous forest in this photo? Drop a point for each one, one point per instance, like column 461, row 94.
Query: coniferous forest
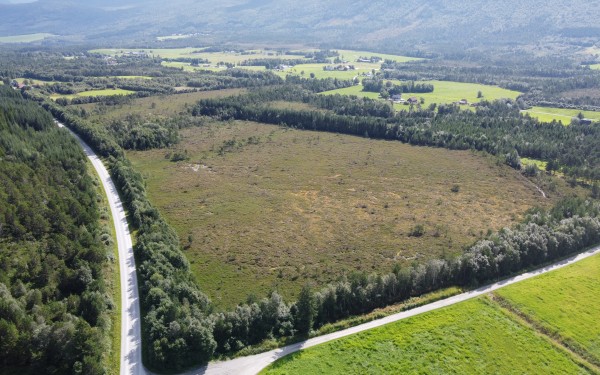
column 53, row 303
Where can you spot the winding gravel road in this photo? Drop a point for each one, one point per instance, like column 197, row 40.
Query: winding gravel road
column 131, row 333
column 131, row 357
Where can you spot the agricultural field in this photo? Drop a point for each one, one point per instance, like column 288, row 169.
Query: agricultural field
column 32, row 81
column 152, row 107
column 595, row 66
column 107, row 92
column 564, row 303
column 26, row 38
column 213, row 57
column 361, row 68
column 445, row 92
column 456, row 339
column 541, row 165
column 548, row 114
column 259, row 207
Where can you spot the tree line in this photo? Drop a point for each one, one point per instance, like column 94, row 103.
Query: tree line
column 388, row 88
column 495, row 127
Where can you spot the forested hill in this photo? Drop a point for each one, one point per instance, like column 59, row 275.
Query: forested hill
column 382, row 23
column 53, row 303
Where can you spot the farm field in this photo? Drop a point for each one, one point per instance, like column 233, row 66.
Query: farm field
column 595, row 66
column 26, row 38
column 260, row 207
column 445, row 92
column 213, row 57
column 548, row 114
column 351, row 57
column 107, row 92
column 456, row 339
column 237, row 58
column 566, row 302
column 161, row 106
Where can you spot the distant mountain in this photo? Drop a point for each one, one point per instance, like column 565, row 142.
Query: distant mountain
column 435, row 23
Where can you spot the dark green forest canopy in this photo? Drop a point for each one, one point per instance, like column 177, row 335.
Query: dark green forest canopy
column 53, row 303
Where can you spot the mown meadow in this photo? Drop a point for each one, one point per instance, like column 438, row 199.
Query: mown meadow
column 543, row 325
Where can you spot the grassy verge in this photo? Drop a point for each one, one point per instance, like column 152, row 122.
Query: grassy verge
column 111, row 275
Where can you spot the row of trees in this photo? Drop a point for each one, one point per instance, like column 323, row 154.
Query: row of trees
column 390, row 88
column 54, row 307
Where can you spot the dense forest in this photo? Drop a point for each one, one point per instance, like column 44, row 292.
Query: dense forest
column 54, row 309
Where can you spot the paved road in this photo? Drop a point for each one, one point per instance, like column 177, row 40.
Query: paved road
column 254, row 364
column 131, row 336
column 131, row 358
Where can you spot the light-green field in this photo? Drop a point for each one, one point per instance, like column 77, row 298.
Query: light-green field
column 26, row 38
column 280, row 207
column 213, row 68
column 445, row 92
column 548, row 114
column 477, row 336
column 595, row 66
column 213, row 57
column 473, row 337
column 174, row 37
column 566, row 301
column 36, row 81
column 538, row 163
column 107, row 92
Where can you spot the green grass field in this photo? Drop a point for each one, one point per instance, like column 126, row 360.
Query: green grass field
column 473, row 337
column 595, row 66
column 445, row 92
column 174, row 37
column 107, row 92
column 547, row 114
column 154, row 106
column 538, row 163
column 279, row 207
column 26, row 38
column 566, row 301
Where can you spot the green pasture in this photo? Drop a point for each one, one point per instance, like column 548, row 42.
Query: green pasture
column 25, row 38
column 173, row 37
column 538, row 163
column 473, row 337
column 445, row 92
column 548, row 114
column 107, row 92
column 566, row 302
column 595, row 66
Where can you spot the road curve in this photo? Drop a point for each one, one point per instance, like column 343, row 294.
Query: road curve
column 254, row 364
column 131, row 333
column 131, row 357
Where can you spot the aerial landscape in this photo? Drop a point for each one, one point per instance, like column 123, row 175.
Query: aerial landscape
column 279, row 187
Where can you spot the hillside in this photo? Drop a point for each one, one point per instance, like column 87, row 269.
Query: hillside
column 384, row 24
